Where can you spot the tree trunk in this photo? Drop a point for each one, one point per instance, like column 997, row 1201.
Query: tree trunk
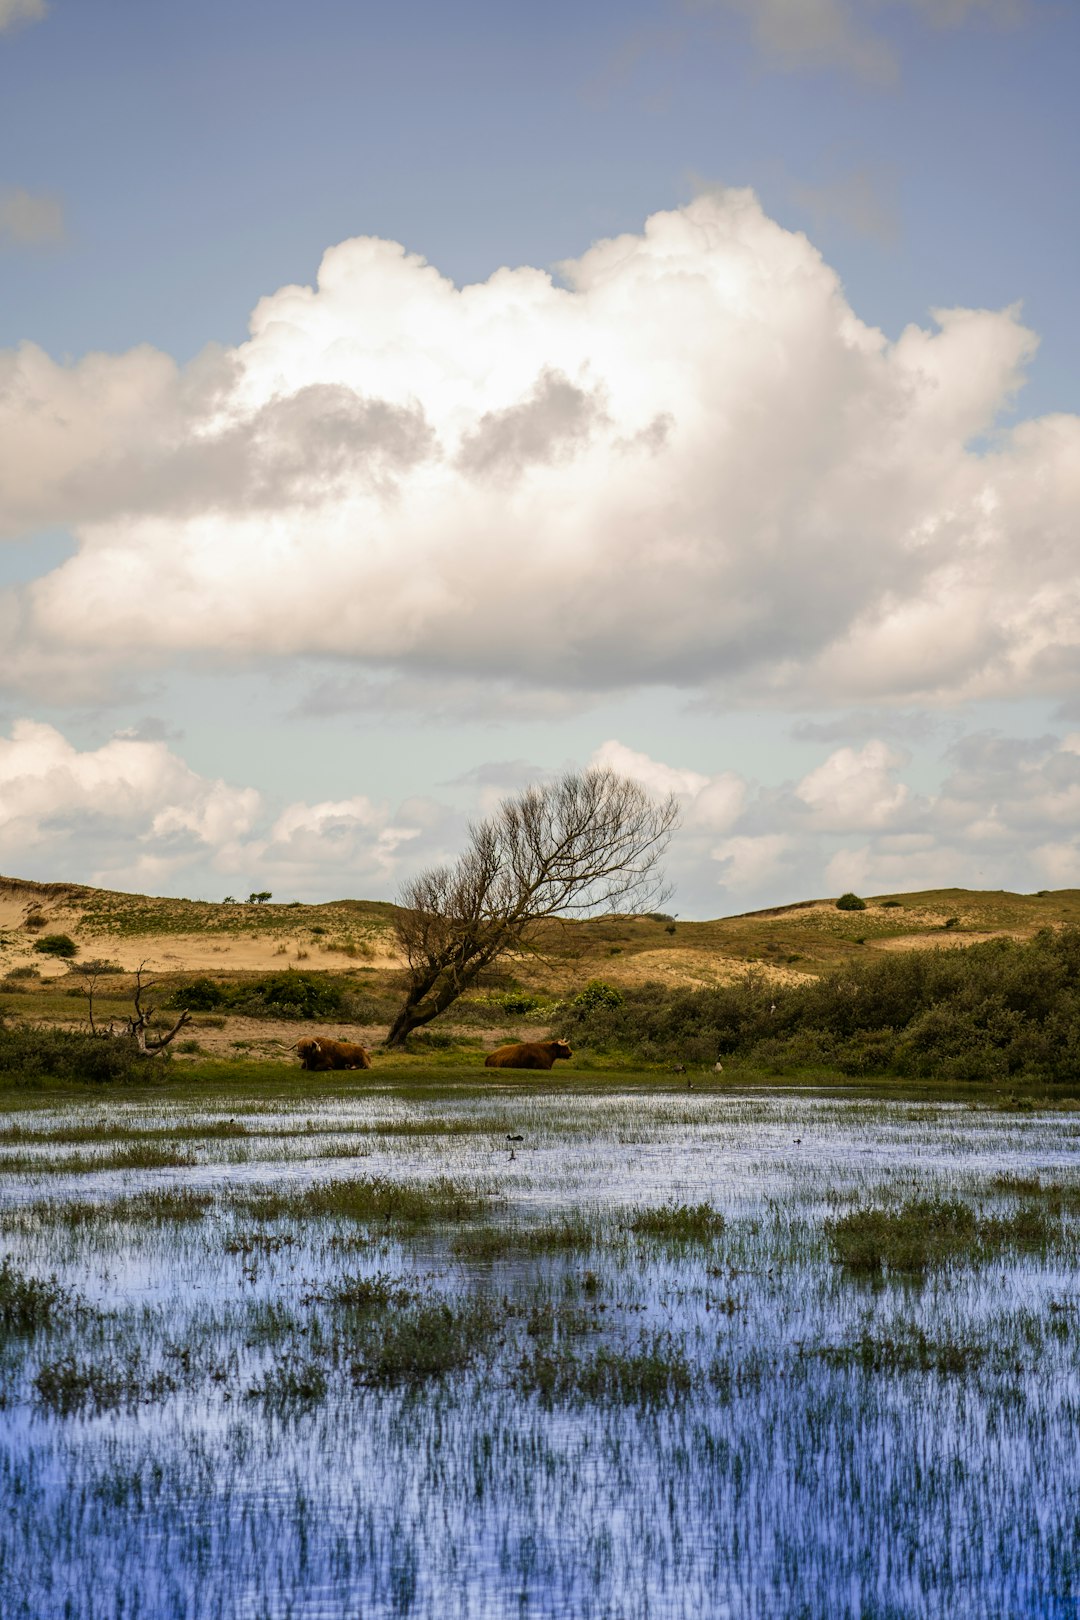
column 425, row 1002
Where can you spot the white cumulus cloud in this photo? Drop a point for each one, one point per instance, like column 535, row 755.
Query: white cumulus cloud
column 132, row 814
column 855, row 788
column 688, row 462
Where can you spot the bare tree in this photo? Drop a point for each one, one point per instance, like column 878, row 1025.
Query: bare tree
column 136, row 1026
column 585, row 844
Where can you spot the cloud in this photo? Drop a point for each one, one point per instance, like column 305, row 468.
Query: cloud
column 1004, row 816
column 13, row 12
column 862, row 724
column 861, row 201
column 133, row 814
column 754, row 863
column 817, row 34
column 855, row 788
column 688, row 464
column 27, row 220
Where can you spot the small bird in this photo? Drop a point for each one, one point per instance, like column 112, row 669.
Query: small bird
column 510, row 1138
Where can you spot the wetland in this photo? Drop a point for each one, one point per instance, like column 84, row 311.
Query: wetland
column 430, row 1347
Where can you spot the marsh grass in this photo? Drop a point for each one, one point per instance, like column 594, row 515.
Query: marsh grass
column 572, row 1233
column 925, row 1233
column 29, row 1304
column 678, row 1223
column 425, row 1341
column 1056, row 1197
column 910, row 1349
column 369, row 1200
column 135, row 1156
column 66, row 1385
column 265, row 1243
column 655, row 1375
column 160, row 1205
column 292, row 1381
column 622, row 1420
column 110, row 1130
column 360, row 1295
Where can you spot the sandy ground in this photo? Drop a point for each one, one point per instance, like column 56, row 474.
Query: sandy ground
column 950, row 941
column 696, row 969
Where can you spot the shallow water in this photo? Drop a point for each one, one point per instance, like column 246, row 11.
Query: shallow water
column 775, row 1472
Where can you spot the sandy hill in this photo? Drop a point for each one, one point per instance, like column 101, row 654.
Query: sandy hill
column 787, row 942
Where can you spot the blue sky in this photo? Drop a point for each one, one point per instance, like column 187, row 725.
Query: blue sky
column 848, row 643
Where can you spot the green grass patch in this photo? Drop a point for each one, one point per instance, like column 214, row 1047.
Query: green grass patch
column 134, row 1156
column 164, row 1205
column 910, row 1350
column 678, row 1223
column 426, row 1341
column 28, row 1304
column 67, row 1385
column 925, row 1233
column 656, row 1375
column 291, row 1381
column 370, row 1200
column 363, row 1294
column 569, row 1234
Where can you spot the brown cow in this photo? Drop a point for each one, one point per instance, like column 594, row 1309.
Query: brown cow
column 527, row 1055
column 322, row 1054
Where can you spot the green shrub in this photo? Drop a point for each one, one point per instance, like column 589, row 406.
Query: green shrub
column 57, row 945
column 33, row 1052
column 201, row 995
column 850, row 902
column 993, row 1010
column 291, row 995
column 596, row 994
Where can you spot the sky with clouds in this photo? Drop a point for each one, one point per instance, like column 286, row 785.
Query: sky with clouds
column 401, row 404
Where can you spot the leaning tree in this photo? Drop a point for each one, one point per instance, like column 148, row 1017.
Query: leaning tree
column 582, row 845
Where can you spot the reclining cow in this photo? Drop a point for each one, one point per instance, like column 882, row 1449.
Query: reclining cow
column 322, row 1054
column 527, row 1055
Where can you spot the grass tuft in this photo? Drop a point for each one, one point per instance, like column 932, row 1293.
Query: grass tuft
column 370, row 1200
column 657, row 1375
column 679, row 1223
column 426, row 1341
column 926, row 1233
column 28, row 1304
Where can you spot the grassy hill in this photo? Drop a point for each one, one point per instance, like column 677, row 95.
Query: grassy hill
column 791, row 942
column 245, row 950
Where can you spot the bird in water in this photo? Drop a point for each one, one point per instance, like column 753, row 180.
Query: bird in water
column 512, row 1139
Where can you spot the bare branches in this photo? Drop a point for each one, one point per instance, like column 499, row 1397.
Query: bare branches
column 137, row 1025
column 585, row 844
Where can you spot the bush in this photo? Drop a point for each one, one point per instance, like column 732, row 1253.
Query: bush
column 57, row 945
column 993, row 1010
column 597, row 993
column 201, row 995
column 292, row 995
column 33, row 1052
column 850, row 902
column 279, row 995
